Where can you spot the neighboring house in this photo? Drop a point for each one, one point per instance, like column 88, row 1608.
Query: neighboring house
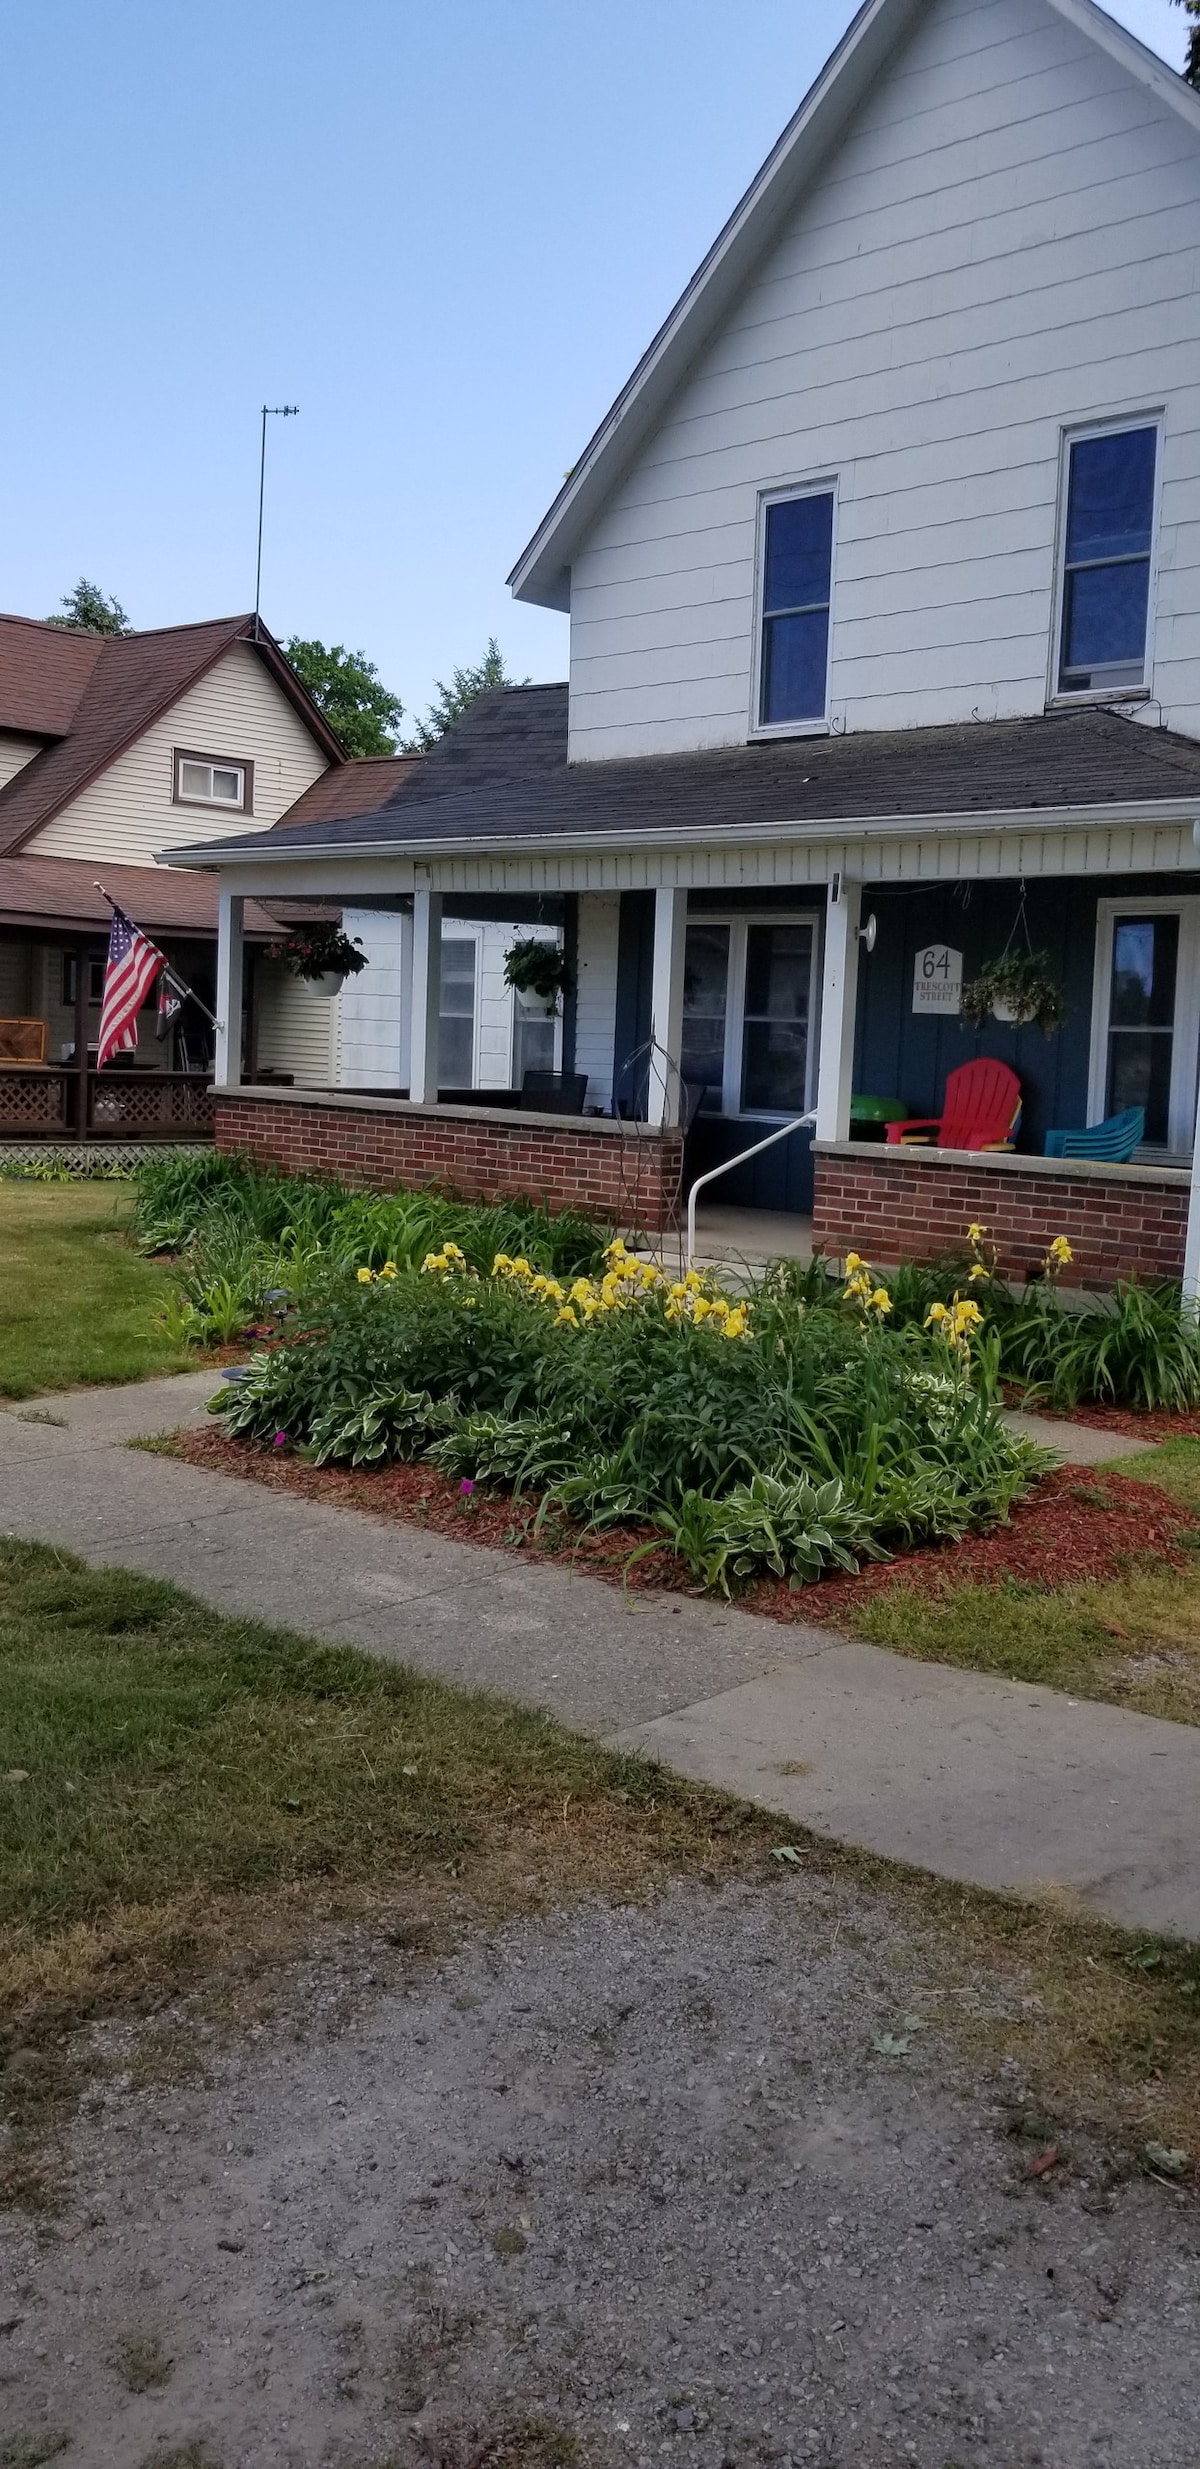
column 112, row 747
column 883, row 575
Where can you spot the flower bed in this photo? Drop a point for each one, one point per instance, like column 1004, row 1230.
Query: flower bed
column 752, row 1434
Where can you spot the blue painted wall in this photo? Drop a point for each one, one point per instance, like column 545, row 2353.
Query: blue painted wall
column 898, row 1052
column 905, row 1054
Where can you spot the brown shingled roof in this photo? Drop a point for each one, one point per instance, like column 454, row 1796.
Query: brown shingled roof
column 359, row 787
column 131, row 679
column 59, row 893
column 43, row 672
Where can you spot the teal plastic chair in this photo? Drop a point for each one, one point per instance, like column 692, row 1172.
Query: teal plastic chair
column 1114, row 1140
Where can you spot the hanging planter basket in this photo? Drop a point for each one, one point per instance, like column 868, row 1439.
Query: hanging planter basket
column 537, row 972
column 321, row 954
column 1018, row 988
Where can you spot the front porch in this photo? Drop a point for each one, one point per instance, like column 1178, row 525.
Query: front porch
column 767, row 951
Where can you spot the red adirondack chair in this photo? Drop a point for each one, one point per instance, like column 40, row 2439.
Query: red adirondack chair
column 982, row 1110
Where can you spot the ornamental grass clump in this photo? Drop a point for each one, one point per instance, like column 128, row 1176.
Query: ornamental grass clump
column 755, row 1435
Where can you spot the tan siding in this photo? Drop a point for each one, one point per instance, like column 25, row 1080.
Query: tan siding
column 15, row 753
column 237, row 710
column 297, row 1029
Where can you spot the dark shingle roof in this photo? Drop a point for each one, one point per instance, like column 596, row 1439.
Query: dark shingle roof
column 361, row 786
column 502, row 772
column 120, row 683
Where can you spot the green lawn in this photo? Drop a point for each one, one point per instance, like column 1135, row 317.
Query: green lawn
column 77, row 1303
column 1135, row 1642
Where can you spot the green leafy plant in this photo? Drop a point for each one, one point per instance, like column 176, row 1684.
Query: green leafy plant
column 318, row 950
column 1019, row 985
column 1138, row 1349
column 533, row 965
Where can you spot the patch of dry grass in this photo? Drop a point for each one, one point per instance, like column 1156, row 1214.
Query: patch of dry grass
column 193, row 1803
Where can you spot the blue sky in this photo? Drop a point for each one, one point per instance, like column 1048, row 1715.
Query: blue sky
column 447, row 232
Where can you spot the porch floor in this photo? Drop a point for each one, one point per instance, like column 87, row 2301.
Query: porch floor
column 733, row 1239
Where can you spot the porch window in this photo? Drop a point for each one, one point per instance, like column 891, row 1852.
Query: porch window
column 1106, row 561
column 747, row 1013
column 1148, row 1016
column 1141, row 1020
column 797, row 565
column 705, row 990
column 456, row 1047
column 535, row 1043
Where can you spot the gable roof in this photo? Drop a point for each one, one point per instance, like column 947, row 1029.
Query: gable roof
column 361, row 786
column 500, row 778
column 43, row 672
column 542, row 572
column 124, row 684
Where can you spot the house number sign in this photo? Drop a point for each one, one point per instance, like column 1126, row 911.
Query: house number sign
column 937, row 979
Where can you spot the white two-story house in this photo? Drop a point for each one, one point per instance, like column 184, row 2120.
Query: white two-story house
column 883, row 577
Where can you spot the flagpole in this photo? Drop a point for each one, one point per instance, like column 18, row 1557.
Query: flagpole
column 180, row 983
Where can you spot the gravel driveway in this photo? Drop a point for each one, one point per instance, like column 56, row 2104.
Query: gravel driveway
column 628, row 2187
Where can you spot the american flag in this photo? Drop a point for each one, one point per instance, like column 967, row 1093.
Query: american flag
column 132, row 965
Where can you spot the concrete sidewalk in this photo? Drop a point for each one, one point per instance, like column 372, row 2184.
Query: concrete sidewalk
column 987, row 1781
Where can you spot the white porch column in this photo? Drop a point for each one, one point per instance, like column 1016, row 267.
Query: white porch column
column 1191, row 1249
column 664, row 1092
column 839, row 1005
column 426, row 997
column 230, row 961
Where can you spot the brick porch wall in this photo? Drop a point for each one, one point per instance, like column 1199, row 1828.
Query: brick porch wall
column 384, row 1144
column 916, row 1204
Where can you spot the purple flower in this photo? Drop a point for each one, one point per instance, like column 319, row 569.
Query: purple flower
column 466, row 1487
column 280, row 1440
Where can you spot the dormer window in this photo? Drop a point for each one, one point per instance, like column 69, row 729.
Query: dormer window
column 1108, row 532
column 796, row 564
column 213, row 780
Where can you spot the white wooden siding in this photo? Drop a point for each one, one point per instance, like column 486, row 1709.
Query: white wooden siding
column 1001, row 247
column 596, row 993
column 15, row 753
column 236, row 710
column 297, row 1029
column 374, row 1007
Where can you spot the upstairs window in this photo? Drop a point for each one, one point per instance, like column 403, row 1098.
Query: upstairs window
column 1106, row 561
column 797, row 562
column 212, row 780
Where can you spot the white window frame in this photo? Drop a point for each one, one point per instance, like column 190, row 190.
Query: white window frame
column 1185, row 1047
column 515, row 1017
column 463, row 930
column 1064, row 696
column 213, row 763
column 739, row 921
column 786, row 493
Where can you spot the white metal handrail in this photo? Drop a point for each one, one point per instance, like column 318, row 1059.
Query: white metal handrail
column 727, row 1168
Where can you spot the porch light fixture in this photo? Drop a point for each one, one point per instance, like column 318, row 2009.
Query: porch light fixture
column 867, row 934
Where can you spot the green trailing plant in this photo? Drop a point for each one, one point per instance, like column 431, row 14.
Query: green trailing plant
column 318, row 950
column 1019, row 985
column 533, row 965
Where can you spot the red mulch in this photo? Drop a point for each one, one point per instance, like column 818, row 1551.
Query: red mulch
column 1074, row 1528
